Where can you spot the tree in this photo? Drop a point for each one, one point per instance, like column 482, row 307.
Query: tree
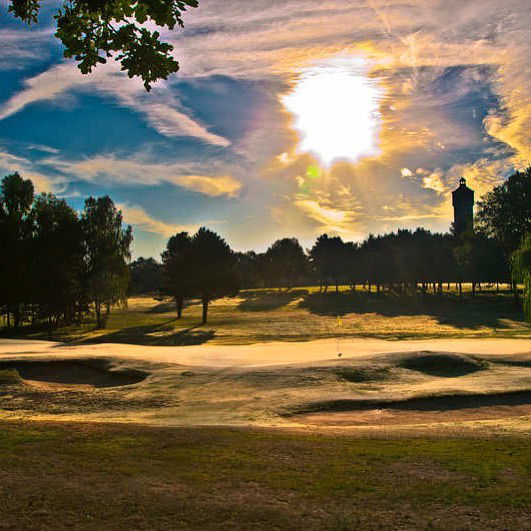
column 521, row 271
column 331, row 258
column 505, row 212
column 146, row 276
column 247, row 269
column 57, row 260
column 480, row 259
column 286, row 262
column 177, row 270
column 16, row 198
column 213, row 266
column 94, row 30
column 106, row 254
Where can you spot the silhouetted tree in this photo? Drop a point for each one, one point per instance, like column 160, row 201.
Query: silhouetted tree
column 213, row 266
column 178, row 270
column 247, row 269
column 146, row 276
column 505, row 212
column 480, row 259
column 106, row 253
column 331, row 258
column 94, row 30
column 15, row 240
column 286, row 262
column 57, row 260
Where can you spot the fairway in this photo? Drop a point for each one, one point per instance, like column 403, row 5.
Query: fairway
column 111, row 477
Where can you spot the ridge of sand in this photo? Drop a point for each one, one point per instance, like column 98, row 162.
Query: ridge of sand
column 263, row 354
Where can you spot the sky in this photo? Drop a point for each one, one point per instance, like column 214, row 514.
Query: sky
column 287, row 118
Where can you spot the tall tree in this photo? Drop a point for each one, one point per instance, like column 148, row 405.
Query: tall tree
column 505, row 212
column 94, row 30
column 107, row 251
column 178, row 270
column 286, row 262
column 521, row 270
column 213, row 266
column 57, row 260
column 16, row 198
column 146, row 276
column 331, row 258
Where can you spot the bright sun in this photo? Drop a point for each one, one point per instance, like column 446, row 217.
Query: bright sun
column 335, row 106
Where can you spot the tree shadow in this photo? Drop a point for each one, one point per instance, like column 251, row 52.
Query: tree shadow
column 154, row 335
column 168, row 307
column 483, row 310
column 267, row 300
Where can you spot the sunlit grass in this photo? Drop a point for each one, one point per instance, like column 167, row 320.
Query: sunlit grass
column 305, row 313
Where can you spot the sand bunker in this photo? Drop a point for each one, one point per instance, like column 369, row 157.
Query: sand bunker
column 96, row 373
column 442, row 365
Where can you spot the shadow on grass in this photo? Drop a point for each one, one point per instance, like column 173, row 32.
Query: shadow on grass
column 154, row 335
column 168, row 307
column 483, row 310
column 267, row 300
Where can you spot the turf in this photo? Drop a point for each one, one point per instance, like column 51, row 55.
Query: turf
column 108, row 476
column 304, row 314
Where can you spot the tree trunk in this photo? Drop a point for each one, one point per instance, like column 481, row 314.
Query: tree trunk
column 16, row 316
column 517, row 303
column 179, row 307
column 98, row 315
column 205, row 310
column 460, row 289
column 337, row 286
column 473, row 288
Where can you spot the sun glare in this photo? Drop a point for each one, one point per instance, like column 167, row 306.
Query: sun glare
column 335, row 106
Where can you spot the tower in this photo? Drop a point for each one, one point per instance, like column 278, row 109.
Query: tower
column 463, row 201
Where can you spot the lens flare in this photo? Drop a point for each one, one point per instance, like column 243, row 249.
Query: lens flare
column 335, row 107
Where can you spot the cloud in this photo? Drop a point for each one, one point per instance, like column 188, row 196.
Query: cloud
column 21, row 48
column 138, row 171
column 10, row 163
column 434, row 182
column 223, row 185
column 137, row 217
column 161, row 108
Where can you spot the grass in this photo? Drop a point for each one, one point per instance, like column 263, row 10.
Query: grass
column 9, row 377
column 103, row 476
column 304, row 314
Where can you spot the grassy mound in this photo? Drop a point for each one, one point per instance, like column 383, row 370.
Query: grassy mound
column 9, row 377
column 442, row 365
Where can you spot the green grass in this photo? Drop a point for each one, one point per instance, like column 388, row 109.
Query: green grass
column 303, row 314
column 102, row 476
column 9, row 377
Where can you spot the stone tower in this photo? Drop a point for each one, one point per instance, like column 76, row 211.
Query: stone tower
column 463, row 201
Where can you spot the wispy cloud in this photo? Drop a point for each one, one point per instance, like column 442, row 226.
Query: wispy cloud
column 10, row 163
column 138, row 171
column 138, row 217
column 161, row 109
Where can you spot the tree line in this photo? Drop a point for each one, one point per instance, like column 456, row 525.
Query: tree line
column 56, row 265
column 404, row 261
